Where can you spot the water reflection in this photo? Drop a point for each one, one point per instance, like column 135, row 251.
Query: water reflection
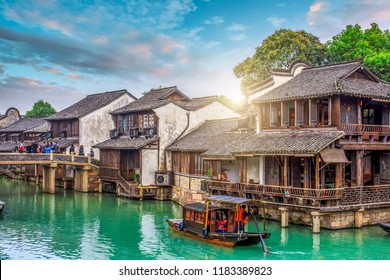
column 74, row 225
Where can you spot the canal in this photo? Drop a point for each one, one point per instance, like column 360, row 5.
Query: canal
column 73, row 225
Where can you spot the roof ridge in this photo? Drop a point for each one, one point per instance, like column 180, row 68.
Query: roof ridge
column 113, row 91
column 356, row 61
column 162, row 88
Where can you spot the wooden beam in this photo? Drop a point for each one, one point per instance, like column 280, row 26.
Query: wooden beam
column 281, row 113
column 295, row 112
column 339, row 175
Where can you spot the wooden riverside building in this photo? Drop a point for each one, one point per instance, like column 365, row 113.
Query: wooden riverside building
column 314, row 140
column 133, row 161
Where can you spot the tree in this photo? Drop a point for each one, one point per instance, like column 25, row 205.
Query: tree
column 278, row 51
column 373, row 44
column 40, row 109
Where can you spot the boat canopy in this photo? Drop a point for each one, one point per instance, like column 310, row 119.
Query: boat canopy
column 228, row 199
column 200, row 207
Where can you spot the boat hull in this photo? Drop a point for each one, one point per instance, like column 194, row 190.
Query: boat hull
column 224, row 239
column 385, row 226
column 2, row 205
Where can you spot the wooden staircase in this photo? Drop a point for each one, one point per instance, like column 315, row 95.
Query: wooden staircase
column 134, row 190
column 8, row 173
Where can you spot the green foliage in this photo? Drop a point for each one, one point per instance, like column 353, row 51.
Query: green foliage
column 40, row 109
column 136, row 178
column 278, row 51
column 373, row 44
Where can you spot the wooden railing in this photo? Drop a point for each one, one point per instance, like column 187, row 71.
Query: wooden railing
column 366, row 195
column 109, row 173
column 360, row 129
column 27, row 159
column 340, row 196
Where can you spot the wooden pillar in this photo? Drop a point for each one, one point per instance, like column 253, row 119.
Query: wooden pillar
column 285, row 171
column 262, row 170
column 317, row 172
column 244, row 172
column 259, row 118
column 295, row 112
column 281, row 113
column 359, row 168
column 316, row 216
column 339, row 175
column 283, row 217
column 336, row 108
column 358, row 112
column 309, row 113
column 306, row 173
column 330, row 110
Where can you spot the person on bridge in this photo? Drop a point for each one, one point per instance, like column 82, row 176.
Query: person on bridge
column 81, row 150
column 92, row 153
column 47, row 148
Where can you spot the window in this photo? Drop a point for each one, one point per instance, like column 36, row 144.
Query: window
column 368, row 116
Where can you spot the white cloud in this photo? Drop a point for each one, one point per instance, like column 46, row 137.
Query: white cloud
column 237, row 27
column 328, row 18
column 217, row 20
column 275, row 21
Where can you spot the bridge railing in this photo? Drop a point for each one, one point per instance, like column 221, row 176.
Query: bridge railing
column 31, row 158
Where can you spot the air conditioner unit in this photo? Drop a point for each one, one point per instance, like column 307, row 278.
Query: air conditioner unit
column 164, row 178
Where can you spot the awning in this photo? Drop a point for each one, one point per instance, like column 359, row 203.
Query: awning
column 333, row 156
column 14, row 134
column 3, row 134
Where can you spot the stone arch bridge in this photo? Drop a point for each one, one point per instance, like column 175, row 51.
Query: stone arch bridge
column 50, row 162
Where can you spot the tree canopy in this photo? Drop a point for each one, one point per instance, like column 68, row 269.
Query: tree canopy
column 373, row 44
column 278, row 51
column 40, row 109
column 284, row 46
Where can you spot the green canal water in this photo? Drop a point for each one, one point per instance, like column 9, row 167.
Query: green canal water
column 72, row 225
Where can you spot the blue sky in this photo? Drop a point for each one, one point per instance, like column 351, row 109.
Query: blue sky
column 60, row 51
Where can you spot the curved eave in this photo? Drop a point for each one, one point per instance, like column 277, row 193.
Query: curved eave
column 378, row 97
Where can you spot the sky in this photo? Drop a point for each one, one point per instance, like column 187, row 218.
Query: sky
column 61, row 51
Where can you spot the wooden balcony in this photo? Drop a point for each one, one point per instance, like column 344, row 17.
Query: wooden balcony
column 323, row 197
column 367, row 131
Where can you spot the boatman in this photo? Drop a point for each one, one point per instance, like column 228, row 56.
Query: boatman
column 242, row 219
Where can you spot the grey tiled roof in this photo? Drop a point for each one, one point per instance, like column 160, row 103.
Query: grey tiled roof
column 8, row 147
column 88, row 104
column 44, row 127
column 151, row 100
column 287, row 142
column 221, row 139
column 205, row 137
column 24, row 124
column 328, row 80
column 126, row 143
column 157, row 98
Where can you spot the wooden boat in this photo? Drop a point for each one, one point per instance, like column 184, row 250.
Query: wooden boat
column 200, row 222
column 2, row 205
column 385, row 226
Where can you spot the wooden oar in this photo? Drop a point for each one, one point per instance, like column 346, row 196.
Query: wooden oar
column 261, row 237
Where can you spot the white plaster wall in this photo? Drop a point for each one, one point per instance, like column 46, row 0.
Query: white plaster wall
column 94, row 127
column 213, row 111
column 252, row 169
column 232, row 171
column 279, row 80
column 149, row 166
column 172, row 121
